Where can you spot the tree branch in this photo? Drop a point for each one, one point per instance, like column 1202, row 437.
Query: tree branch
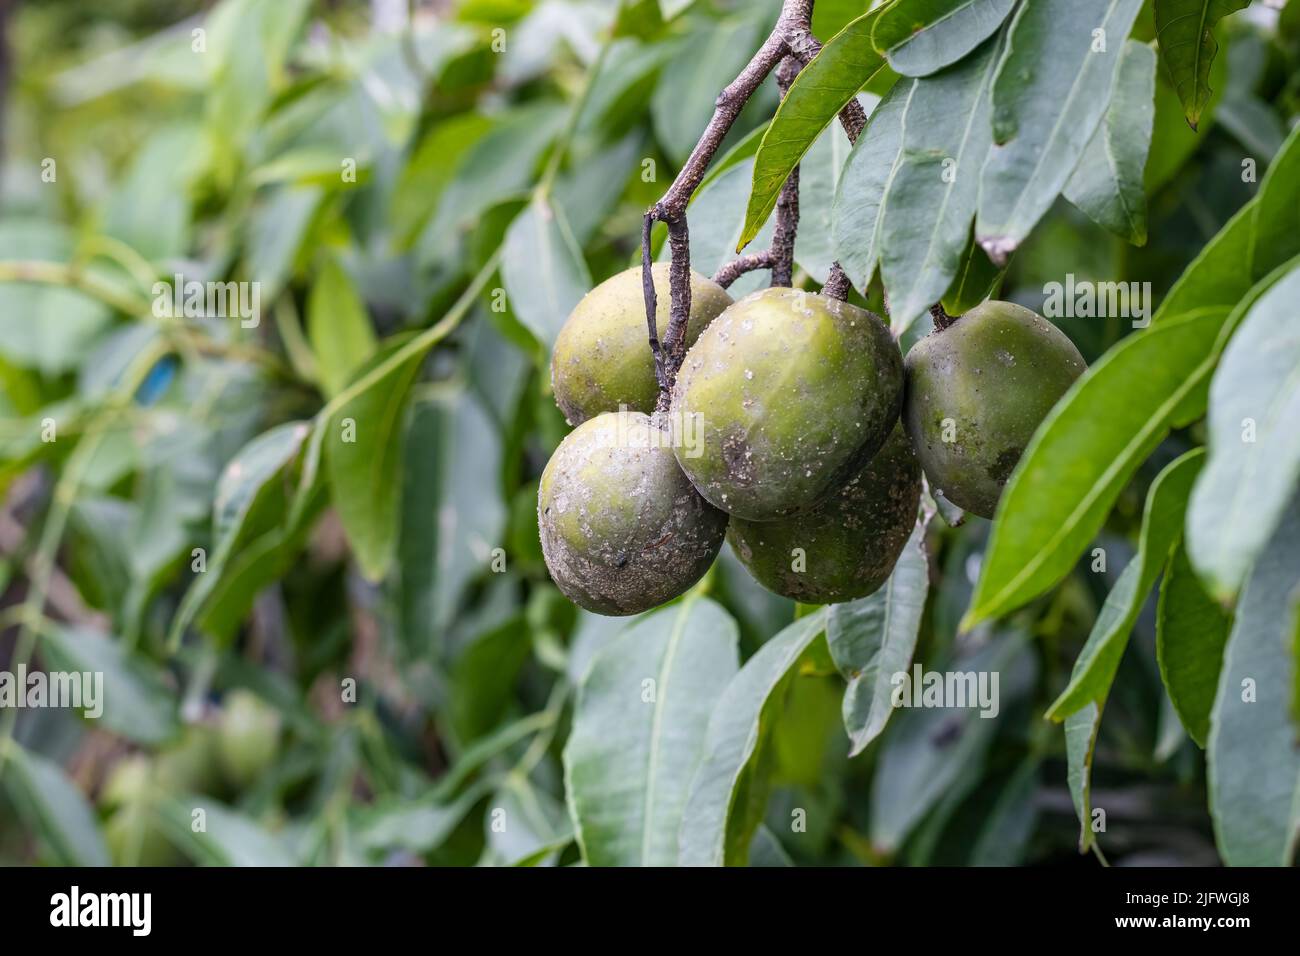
column 787, row 202
column 736, row 268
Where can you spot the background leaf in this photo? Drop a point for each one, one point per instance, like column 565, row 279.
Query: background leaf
column 1185, row 30
column 338, row 327
column 922, row 36
column 55, row 809
column 543, row 269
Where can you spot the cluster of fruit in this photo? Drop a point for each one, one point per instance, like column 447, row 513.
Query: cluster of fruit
column 795, row 429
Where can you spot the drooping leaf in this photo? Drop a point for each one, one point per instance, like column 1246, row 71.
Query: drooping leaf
column 1185, row 31
column 56, row 812
column 873, row 638
column 1253, row 764
column 865, row 182
column 1050, row 93
column 135, row 699
column 639, row 732
column 1162, row 528
column 338, row 327
column 728, row 793
column 1191, row 630
column 1083, row 454
column 927, row 213
column 819, row 92
column 1254, row 447
column 920, row 37
column 1107, row 183
column 543, row 270
column 1081, row 729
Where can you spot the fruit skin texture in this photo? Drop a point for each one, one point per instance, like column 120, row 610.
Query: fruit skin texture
column 996, row 372
column 248, row 737
column 602, row 357
column 789, row 393
column 622, row 529
column 850, row 542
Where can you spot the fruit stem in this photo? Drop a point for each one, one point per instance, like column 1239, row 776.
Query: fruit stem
column 941, row 318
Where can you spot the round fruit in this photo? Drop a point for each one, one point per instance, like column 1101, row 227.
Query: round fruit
column 190, row 766
column 248, row 737
column 977, row 390
column 784, row 396
column 622, row 529
column 845, row 547
column 133, row 832
column 602, row 359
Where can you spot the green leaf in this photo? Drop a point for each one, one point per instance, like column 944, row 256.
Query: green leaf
column 532, row 824
column 363, row 454
column 920, row 37
column 977, row 278
column 1185, row 31
column 543, row 269
column 229, row 839
column 930, row 747
column 638, row 732
column 136, row 701
column 338, row 327
column 865, row 182
column 1162, row 527
column 1254, row 461
column 873, row 638
column 715, row 224
column 926, row 216
column 1081, row 729
column 1083, row 454
column 728, row 794
column 1191, row 630
column 1048, row 98
column 430, row 168
column 1253, row 764
column 822, row 88
column 819, row 176
column 54, row 809
column 1107, row 183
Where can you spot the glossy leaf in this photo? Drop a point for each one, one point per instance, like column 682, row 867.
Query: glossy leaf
column 1049, row 96
column 865, row 182
column 920, row 37
column 1185, row 31
column 543, row 270
column 1254, row 766
column 56, row 812
column 639, row 731
column 338, row 327
column 926, row 216
column 1191, row 630
column 1081, row 729
column 1254, row 461
column 819, row 92
column 728, row 793
column 1162, row 528
column 873, row 638
column 1083, row 454
column 1108, row 182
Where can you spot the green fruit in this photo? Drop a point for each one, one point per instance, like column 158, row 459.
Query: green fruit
column 977, row 390
column 846, row 547
column 191, row 766
column 784, row 396
column 622, row 529
column 132, row 831
column 602, row 356
column 248, row 737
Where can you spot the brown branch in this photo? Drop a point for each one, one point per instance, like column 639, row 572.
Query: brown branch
column 787, row 201
column 736, row 268
column 941, row 318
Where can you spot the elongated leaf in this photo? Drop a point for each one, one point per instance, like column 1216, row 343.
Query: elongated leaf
column 525, row 824
column 1084, row 453
column 1050, row 93
column 1185, row 31
column 977, row 278
column 56, row 812
column 819, row 92
column 1005, row 834
column 1254, row 461
column 1081, row 729
column 873, row 638
column 729, row 791
column 920, row 37
column 229, row 838
column 1107, row 183
column 639, row 730
column 1254, row 766
column 135, row 699
column 1191, row 630
column 1162, row 528
column 543, row 270
column 866, row 180
column 338, row 327
column 927, row 213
